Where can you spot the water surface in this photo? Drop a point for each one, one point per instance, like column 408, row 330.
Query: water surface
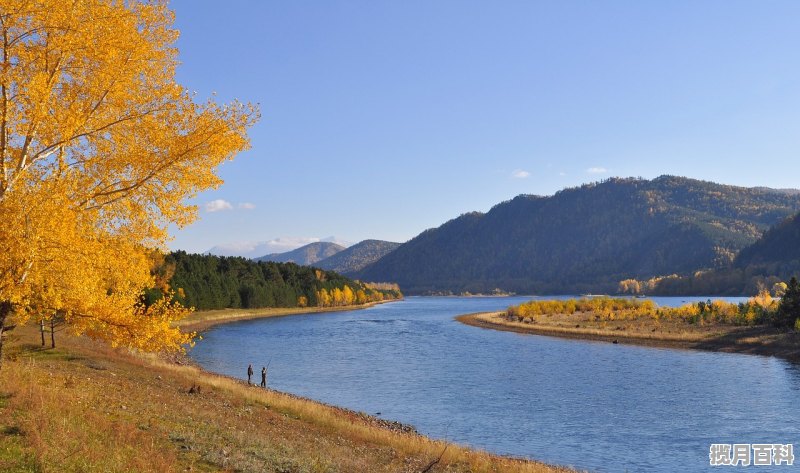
column 592, row 405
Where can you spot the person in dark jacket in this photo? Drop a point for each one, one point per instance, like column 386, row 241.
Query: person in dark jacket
column 249, row 373
column 263, row 376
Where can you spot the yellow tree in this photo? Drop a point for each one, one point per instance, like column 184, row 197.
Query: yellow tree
column 337, row 297
column 347, row 295
column 99, row 150
column 323, row 298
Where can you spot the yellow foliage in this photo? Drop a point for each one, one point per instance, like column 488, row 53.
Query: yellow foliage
column 338, row 297
column 611, row 309
column 99, row 149
column 323, row 298
column 630, row 286
column 764, row 299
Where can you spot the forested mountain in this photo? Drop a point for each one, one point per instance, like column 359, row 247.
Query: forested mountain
column 587, row 238
column 780, row 244
column 357, row 256
column 218, row 282
column 775, row 257
column 305, row 255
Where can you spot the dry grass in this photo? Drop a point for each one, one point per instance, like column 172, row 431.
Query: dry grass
column 86, row 407
column 758, row 340
column 202, row 320
column 585, row 323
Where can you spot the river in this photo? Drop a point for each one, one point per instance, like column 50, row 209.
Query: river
column 591, row 405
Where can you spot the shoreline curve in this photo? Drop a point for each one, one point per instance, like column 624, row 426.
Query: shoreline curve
column 204, row 320
column 762, row 341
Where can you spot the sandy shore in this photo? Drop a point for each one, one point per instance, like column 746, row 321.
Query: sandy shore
column 760, row 340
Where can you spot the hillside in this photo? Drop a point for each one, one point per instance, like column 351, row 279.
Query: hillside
column 773, row 258
column 587, row 238
column 228, row 282
column 357, row 256
column 305, row 255
column 780, row 244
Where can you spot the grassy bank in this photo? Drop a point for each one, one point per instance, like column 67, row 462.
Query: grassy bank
column 87, row 407
column 202, row 320
column 757, row 340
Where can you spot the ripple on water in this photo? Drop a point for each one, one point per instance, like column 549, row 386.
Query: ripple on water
column 594, row 405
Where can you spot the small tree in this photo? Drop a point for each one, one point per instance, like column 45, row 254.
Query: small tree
column 789, row 308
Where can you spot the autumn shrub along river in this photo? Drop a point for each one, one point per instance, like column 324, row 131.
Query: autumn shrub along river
column 607, row 311
column 763, row 324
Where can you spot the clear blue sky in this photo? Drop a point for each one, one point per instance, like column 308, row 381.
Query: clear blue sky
column 384, row 118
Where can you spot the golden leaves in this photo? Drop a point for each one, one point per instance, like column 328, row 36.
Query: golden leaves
column 99, row 149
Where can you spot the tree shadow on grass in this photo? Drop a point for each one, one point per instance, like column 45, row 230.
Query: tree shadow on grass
column 768, row 341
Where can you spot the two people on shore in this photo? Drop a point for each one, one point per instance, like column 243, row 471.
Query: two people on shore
column 263, row 375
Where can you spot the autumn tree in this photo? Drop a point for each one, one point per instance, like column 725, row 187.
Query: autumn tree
column 631, row 286
column 99, row 150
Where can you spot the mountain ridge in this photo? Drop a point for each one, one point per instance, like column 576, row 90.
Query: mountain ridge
column 358, row 256
column 586, row 238
column 305, row 255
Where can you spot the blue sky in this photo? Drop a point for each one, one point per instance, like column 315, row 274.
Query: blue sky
column 384, row 118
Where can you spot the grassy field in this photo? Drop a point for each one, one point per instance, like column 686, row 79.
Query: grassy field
column 86, row 407
column 759, row 340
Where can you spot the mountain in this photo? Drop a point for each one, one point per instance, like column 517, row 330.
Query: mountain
column 586, row 238
column 773, row 258
column 254, row 249
column 780, row 244
column 357, row 256
column 305, row 255
column 779, row 191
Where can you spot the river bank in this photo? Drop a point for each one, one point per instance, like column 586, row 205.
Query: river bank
column 87, row 407
column 203, row 320
column 758, row 340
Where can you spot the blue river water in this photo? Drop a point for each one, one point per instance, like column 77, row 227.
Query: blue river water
column 591, row 405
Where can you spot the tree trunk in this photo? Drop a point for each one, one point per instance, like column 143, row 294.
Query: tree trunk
column 52, row 333
column 5, row 311
column 41, row 329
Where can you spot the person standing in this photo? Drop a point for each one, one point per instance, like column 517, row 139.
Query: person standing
column 249, row 374
column 263, row 376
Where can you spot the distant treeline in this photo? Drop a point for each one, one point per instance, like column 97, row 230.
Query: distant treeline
column 773, row 258
column 762, row 309
column 723, row 282
column 218, row 282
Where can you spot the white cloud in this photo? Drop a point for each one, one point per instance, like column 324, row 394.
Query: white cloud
column 338, row 241
column 254, row 249
column 597, row 170
column 289, row 243
column 246, row 205
column 520, row 174
column 217, row 205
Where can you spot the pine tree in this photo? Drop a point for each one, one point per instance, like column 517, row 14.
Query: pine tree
column 789, row 308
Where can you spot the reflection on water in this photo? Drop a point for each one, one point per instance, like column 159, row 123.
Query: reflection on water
column 592, row 405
